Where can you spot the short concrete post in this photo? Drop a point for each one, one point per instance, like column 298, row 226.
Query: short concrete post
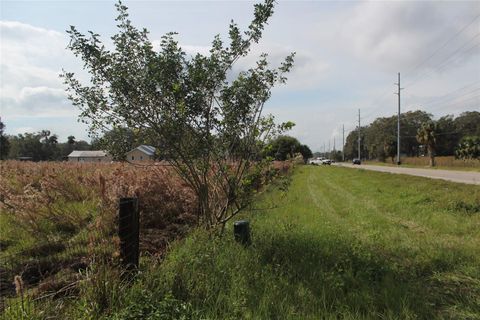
column 241, row 232
column 129, row 233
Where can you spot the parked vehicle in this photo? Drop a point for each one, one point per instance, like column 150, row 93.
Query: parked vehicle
column 357, row 161
column 315, row 162
column 327, row 161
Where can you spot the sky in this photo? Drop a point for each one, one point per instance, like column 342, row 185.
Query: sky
column 349, row 54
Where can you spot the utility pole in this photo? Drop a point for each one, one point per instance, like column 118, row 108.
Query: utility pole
column 343, row 143
column 324, row 151
column 329, row 153
column 334, row 151
column 398, row 120
column 359, row 154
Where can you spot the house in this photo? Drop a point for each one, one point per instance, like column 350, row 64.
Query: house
column 25, row 158
column 141, row 154
column 89, row 156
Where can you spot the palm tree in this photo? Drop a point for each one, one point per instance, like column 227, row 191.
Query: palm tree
column 469, row 148
column 71, row 140
column 426, row 137
column 390, row 148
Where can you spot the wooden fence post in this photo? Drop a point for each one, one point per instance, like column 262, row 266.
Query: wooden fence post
column 241, row 232
column 129, row 232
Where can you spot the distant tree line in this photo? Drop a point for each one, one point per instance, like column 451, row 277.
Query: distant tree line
column 44, row 146
column 420, row 135
column 39, row 146
column 285, row 147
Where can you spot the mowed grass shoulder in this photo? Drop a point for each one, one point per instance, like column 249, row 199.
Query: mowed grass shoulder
column 339, row 244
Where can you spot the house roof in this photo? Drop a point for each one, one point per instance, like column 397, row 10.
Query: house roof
column 148, row 150
column 87, row 154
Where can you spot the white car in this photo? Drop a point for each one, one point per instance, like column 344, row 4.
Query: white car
column 315, row 162
column 327, row 161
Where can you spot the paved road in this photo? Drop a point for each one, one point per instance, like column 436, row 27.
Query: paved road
column 450, row 175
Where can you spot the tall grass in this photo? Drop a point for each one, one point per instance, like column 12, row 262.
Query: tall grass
column 58, row 233
column 57, row 219
column 445, row 161
column 341, row 244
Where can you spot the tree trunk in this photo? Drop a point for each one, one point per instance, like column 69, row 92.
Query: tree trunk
column 205, row 216
column 432, row 157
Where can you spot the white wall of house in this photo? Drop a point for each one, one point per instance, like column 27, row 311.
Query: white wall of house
column 138, row 156
column 89, row 159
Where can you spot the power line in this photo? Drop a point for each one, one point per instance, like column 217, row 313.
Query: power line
column 457, row 90
column 441, row 106
column 404, row 116
column 442, row 63
column 460, row 103
column 447, row 98
column 464, row 52
column 443, row 45
column 424, row 61
column 439, row 102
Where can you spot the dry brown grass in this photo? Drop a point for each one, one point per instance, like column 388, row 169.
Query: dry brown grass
column 60, row 216
column 446, row 161
column 32, row 192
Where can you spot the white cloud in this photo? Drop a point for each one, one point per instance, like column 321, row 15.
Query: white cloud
column 22, row 130
column 37, row 101
column 189, row 49
column 308, row 70
column 193, row 50
column 21, row 43
column 400, row 35
column 30, row 65
column 348, row 56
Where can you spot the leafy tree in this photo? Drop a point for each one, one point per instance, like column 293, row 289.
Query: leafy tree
column 469, row 148
column 426, row 137
column 26, row 145
column 447, row 136
column 390, row 148
column 52, row 139
column 118, row 142
column 285, row 147
column 40, row 146
column 44, row 134
column 192, row 112
column 305, row 152
column 71, row 140
column 378, row 137
column 375, row 135
column 410, row 123
column 70, row 145
column 282, row 148
column 351, row 144
column 82, row 145
column 468, row 123
column 50, row 149
column 4, row 143
column 337, row 156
